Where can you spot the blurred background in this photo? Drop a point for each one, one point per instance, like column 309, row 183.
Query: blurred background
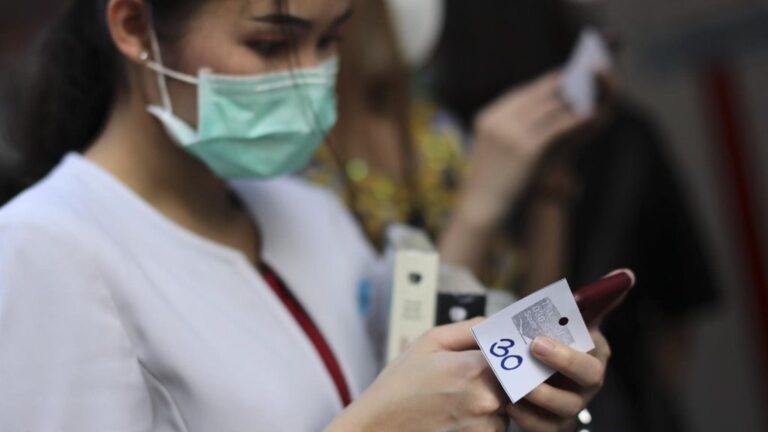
column 701, row 67
column 696, row 73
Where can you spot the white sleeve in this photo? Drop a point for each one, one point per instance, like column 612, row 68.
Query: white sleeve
column 66, row 363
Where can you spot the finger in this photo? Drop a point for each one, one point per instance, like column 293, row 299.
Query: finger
column 557, row 401
column 452, row 337
column 558, row 123
column 482, row 403
column 519, row 101
column 547, row 85
column 564, row 113
column 584, row 369
column 494, row 423
column 531, row 420
column 543, row 99
column 492, row 383
column 546, row 109
column 602, row 349
column 485, row 396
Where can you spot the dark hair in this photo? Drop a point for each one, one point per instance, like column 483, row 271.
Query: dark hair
column 79, row 74
column 491, row 46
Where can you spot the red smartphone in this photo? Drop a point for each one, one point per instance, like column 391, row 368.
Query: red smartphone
column 598, row 299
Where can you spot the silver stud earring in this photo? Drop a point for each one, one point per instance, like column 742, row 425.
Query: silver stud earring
column 144, row 56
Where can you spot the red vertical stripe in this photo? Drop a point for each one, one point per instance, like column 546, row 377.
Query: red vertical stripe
column 725, row 101
column 311, row 330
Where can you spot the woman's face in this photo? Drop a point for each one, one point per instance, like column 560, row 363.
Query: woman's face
column 248, row 37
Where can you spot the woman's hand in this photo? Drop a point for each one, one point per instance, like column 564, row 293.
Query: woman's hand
column 512, row 136
column 436, row 385
column 514, row 133
column 553, row 407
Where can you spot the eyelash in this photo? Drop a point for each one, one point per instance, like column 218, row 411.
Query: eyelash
column 271, row 48
column 276, row 48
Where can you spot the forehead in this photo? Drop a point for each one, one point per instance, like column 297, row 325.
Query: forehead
column 314, row 10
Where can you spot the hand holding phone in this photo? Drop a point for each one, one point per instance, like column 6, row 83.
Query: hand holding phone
column 598, row 299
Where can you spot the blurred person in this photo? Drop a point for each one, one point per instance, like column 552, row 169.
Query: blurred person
column 602, row 199
column 398, row 158
column 165, row 271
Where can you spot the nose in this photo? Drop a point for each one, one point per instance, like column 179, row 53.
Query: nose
column 309, row 56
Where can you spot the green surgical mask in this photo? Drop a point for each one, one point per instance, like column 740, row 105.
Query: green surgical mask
column 261, row 126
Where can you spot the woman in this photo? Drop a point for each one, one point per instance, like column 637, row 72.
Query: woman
column 142, row 287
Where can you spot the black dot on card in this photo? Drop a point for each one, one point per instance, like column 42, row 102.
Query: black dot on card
column 564, row 321
column 415, row 278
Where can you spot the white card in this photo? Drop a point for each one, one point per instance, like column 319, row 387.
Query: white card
column 578, row 85
column 505, row 338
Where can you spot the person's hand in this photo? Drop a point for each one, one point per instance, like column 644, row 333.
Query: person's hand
column 553, row 406
column 511, row 137
column 525, row 121
column 441, row 383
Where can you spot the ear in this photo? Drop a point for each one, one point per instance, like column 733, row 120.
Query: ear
column 129, row 25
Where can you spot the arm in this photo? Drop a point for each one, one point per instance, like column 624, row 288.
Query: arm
column 512, row 137
column 65, row 361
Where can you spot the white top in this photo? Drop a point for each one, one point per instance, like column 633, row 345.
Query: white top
column 113, row 318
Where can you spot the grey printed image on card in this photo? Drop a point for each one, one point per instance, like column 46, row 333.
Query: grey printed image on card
column 505, row 337
column 542, row 319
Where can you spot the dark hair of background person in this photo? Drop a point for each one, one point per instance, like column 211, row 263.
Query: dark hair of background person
column 530, row 37
column 79, row 73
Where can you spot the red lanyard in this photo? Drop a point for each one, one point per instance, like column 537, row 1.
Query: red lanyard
column 310, row 329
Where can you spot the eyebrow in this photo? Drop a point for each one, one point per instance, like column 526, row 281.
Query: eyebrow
column 288, row 20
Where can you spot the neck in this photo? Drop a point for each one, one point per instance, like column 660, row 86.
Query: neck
column 134, row 148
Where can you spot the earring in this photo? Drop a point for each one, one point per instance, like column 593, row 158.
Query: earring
column 144, row 56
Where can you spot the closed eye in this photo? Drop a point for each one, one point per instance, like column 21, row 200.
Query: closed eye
column 330, row 42
column 270, row 48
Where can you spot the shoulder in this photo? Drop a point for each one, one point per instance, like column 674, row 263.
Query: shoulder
column 49, row 242
column 49, row 212
column 61, row 206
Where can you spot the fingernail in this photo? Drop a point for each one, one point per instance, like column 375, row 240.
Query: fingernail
column 543, row 346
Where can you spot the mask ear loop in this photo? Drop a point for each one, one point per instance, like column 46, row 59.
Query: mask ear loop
column 161, row 82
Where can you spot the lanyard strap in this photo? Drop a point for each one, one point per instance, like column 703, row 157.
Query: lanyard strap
column 310, row 329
